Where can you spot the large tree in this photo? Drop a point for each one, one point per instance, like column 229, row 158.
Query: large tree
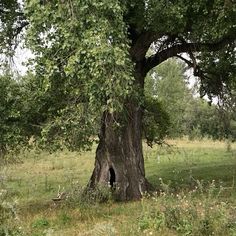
column 93, row 54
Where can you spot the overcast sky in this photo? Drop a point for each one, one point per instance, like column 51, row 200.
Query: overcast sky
column 21, row 57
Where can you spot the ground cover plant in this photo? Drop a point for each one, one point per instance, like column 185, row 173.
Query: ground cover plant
column 194, row 194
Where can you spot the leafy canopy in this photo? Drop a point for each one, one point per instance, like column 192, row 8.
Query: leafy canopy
column 89, row 50
column 88, row 53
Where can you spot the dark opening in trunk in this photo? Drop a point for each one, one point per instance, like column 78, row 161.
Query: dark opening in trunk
column 112, row 179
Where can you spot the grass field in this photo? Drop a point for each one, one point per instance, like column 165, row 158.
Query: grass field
column 197, row 197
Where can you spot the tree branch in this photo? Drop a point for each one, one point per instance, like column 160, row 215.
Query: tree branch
column 141, row 44
column 163, row 55
column 189, row 63
column 19, row 29
column 196, row 70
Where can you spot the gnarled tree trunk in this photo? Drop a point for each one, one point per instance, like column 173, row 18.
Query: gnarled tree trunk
column 119, row 156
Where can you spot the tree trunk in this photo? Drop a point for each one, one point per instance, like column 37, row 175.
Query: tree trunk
column 119, row 156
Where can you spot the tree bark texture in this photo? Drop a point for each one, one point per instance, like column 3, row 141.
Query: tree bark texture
column 119, row 156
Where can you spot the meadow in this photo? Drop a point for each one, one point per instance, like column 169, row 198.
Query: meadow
column 194, row 194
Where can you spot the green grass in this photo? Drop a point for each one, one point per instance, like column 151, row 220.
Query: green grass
column 186, row 161
column 197, row 193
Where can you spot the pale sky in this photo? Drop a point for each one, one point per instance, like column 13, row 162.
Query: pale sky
column 21, row 57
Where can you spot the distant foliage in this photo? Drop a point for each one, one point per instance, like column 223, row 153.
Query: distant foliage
column 167, row 84
column 11, row 123
column 188, row 114
column 203, row 120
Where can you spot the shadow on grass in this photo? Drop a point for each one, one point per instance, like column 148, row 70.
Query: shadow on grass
column 184, row 179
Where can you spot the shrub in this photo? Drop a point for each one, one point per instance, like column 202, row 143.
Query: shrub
column 84, row 196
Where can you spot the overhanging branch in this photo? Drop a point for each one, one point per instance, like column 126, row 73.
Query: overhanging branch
column 174, row 50
column 19, row 29
column 189, row 63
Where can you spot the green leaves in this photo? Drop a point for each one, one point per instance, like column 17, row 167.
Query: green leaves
column 192, row 20
column 218, row 72
column 82, row 60
column 90, row 48
column 11, row 23
column 10, row 114
column 73, row 128
column 84, row 55
column 155, row 122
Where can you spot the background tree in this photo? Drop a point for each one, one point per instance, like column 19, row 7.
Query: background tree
column 168, row 84
column 100, row 60
column 203, row 120
column 11, row 125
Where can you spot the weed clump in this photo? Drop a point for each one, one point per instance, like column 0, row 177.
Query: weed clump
column 9, row 222
column 195, row 212
column 85, row 197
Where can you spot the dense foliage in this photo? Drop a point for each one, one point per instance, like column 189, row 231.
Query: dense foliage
column 10, row 106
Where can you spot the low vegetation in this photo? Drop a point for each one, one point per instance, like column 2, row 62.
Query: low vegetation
column 194, row 194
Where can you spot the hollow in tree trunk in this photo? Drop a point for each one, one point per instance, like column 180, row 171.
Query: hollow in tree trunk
column 119, row 156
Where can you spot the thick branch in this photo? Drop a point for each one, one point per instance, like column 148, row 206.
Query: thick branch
column 189, row 63
column 19, row 29
column 141, row 44
column 163, row 55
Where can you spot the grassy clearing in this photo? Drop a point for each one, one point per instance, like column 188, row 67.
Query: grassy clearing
column 187, row 161
column 197, row 194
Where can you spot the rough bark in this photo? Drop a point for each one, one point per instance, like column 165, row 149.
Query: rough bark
column 119, row 156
